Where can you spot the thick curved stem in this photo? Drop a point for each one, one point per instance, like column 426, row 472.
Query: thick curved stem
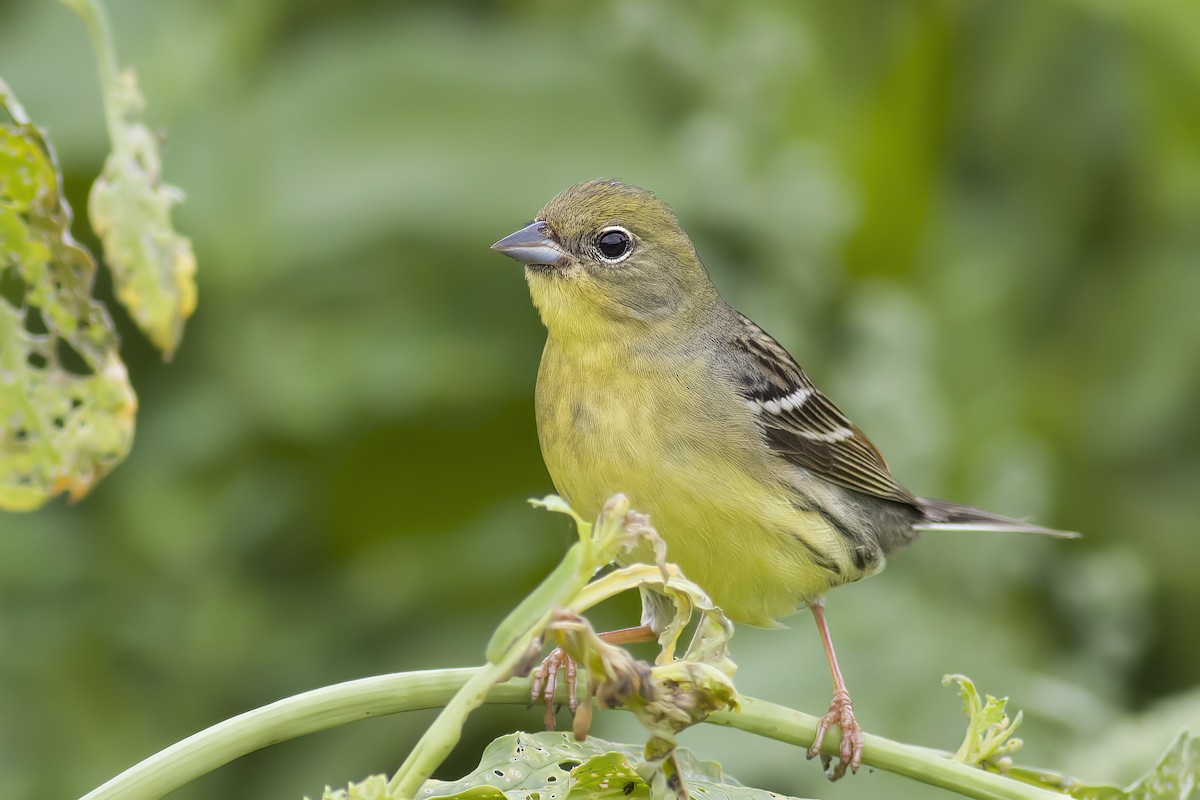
column 341, row 703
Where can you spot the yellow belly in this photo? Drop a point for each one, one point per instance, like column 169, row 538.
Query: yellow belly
column 690, row 467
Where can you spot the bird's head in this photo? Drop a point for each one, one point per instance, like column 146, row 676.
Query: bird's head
column 604, row 255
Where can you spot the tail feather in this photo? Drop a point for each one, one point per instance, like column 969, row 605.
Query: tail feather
column 942, row 515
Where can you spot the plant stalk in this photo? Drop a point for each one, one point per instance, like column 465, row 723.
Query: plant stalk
column 341, row 703
column 95, row 19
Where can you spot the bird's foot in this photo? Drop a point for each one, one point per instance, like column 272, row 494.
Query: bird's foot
column 850, row 753
column 545, row 683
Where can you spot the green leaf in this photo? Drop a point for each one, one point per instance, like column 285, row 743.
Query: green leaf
column 130, row 207
column 610, row 775
column 66, row 405
column 525, row 765
column 1174, row 777
column 553, row 766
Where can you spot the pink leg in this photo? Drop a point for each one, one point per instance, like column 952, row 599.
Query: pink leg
column 840, row 713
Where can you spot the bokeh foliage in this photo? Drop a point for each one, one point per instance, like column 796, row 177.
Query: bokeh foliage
column 973, row 223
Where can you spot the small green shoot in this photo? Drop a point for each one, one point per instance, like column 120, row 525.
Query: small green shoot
column 989, row 741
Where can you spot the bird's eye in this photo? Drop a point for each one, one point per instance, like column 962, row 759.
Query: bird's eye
column 614, row 244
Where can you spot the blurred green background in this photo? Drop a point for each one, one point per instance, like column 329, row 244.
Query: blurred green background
column 975, row 224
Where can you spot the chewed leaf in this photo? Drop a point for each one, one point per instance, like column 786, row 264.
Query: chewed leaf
column 1177, row 774
column 130, row 209
column 523, row 765
column 66, row 405
column 1175, row 777
column 553, row 766
column 610, row 775
column 129, row 206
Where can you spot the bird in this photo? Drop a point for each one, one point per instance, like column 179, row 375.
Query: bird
column 650, row 384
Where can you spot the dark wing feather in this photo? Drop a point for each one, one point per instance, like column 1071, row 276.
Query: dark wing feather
column 802, row 426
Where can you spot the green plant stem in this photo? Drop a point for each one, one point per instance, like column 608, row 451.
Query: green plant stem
column 95, row 19
column 440, row 738
column 509, row 645
column 923, row 764
column 341, row 703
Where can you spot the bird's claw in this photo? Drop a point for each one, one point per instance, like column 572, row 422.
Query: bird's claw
column 850, row 753
column 545, row 683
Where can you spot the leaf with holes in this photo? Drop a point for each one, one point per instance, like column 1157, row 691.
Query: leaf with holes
column 524, row 765
column 66, row 406
column 1176, row 776
column 553, row 766
column 129, row 206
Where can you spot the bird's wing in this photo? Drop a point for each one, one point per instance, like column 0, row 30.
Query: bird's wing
column 802, row 426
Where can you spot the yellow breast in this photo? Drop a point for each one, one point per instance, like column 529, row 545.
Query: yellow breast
column 656, row 429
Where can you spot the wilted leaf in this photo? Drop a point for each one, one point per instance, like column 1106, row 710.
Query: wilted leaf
column 553, row 502
column 130, row 207
column 66, row 406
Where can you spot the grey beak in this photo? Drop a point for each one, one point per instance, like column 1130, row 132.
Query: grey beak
column 530, row 245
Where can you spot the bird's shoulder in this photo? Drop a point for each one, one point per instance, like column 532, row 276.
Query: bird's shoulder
column 800, row 424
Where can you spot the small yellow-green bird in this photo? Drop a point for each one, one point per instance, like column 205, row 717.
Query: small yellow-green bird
column 652, row 385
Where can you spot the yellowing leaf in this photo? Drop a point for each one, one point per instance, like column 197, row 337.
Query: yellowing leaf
column 130, row 207
column 66, row 405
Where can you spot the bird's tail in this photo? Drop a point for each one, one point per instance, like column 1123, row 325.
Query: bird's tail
column 941, row 515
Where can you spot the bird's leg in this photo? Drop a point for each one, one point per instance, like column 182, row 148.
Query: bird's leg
column 840, row 713
column 545, row 677
column 545, row 682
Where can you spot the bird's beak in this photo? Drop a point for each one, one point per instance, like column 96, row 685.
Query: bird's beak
column 530, row 245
